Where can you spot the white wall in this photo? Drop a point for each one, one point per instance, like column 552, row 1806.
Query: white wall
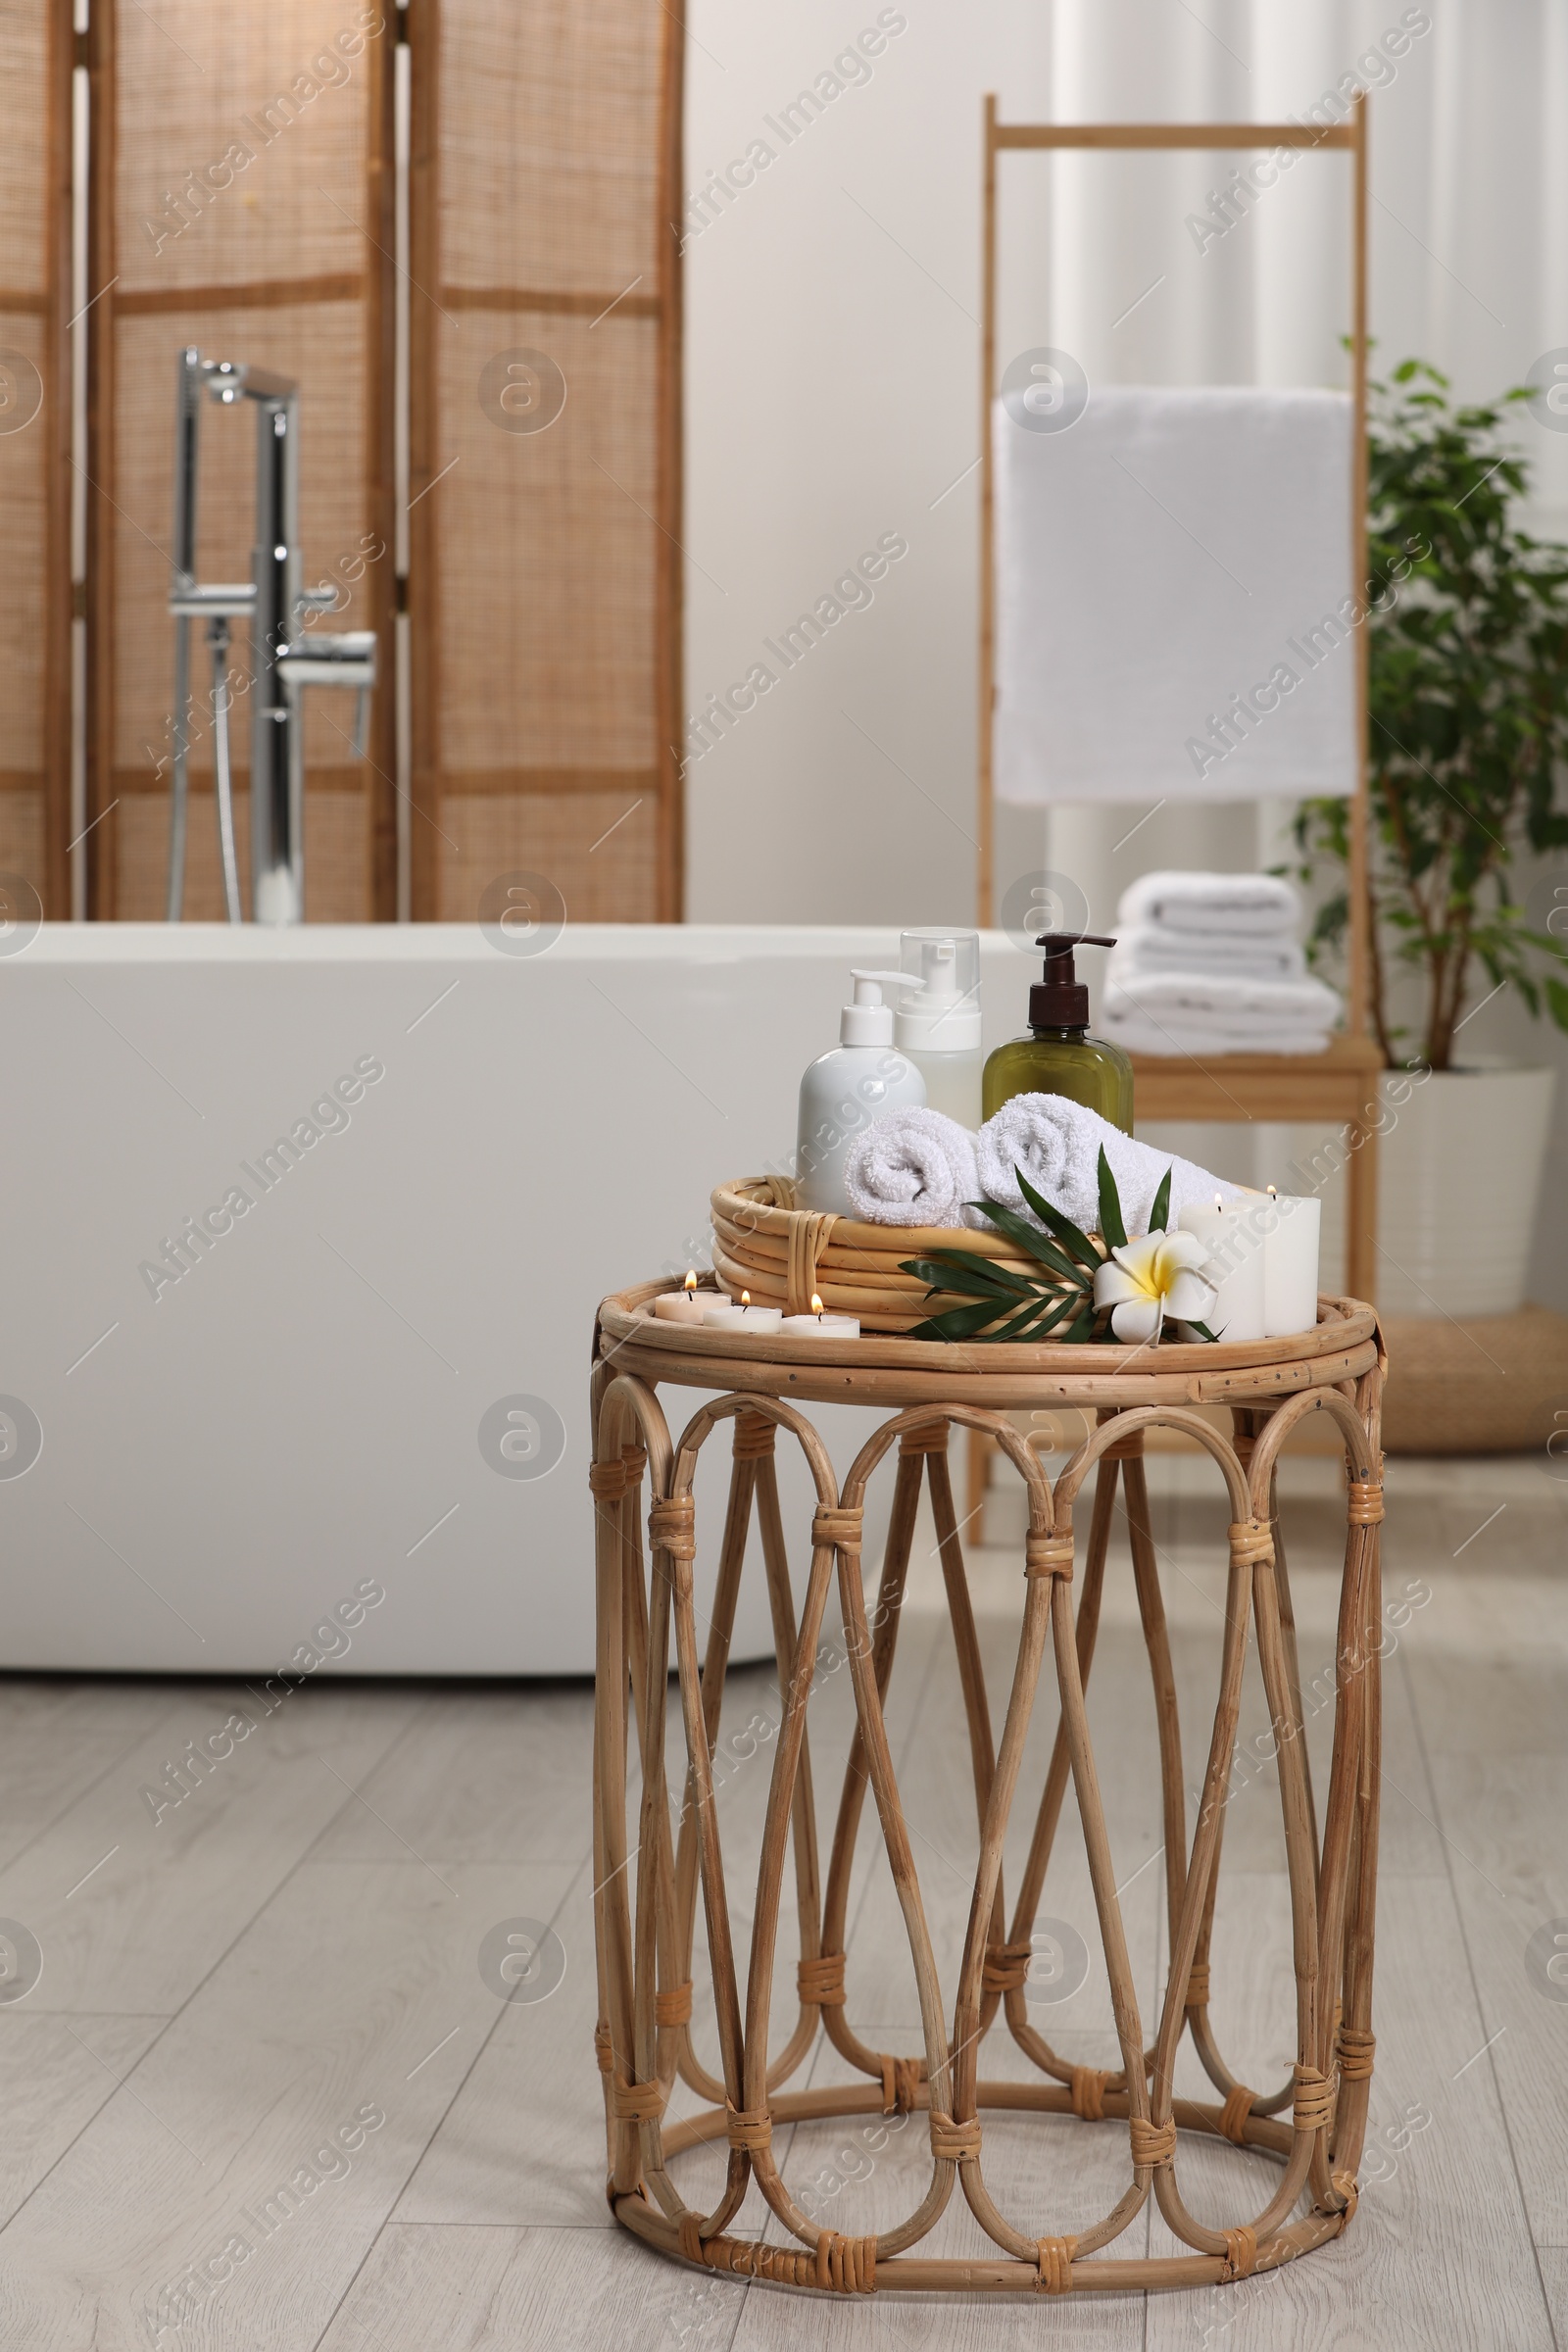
column 833, row 381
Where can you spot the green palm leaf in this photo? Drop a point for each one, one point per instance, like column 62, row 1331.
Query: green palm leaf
column 1024, row 1236
column 1082, row 1247
column 1111, row 1218
column 959, row 1322
column 976, row 1273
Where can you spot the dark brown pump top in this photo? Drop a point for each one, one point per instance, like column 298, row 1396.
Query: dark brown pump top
column 1061, row 1000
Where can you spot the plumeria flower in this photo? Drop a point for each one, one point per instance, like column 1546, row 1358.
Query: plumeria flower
column 1158, row 1275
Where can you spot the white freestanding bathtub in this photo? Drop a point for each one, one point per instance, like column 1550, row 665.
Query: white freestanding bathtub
column 294, row 1220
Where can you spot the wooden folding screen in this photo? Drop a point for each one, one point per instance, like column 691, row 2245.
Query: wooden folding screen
column 242, row 201
column 35, row 64
column 545, row 586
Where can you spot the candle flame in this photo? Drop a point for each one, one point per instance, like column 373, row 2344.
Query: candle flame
column 691, row 1279
column 745, row 1298
column 1219, row 1200
column 1273, row 1192
column 817, row 1305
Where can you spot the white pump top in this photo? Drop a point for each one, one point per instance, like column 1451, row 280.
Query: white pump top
column 946, row 1019
column 868, row 1022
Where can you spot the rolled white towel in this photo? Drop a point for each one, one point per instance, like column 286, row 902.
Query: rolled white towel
column 915, row 1167
column 1154, row 948
column 1057, row 1143
column 1255, row 904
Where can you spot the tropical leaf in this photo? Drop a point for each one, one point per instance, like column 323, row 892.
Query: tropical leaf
column 1081, row 1247
column 1110, row 1217
column 1019, row 1231
column 959, row 1322
column 1160, row 1214
column 976, row 1273
column 1027, row 1325
column 1059, row 1313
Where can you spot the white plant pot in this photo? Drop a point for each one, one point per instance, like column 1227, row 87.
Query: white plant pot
column 1459, row 1167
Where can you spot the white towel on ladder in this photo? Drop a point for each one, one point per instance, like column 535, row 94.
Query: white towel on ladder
column 1175, row 617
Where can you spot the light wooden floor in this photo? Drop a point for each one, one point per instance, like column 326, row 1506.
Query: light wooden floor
column 296, row 1947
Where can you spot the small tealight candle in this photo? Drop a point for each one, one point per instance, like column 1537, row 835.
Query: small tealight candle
column 759, row 1322
column 1234, row 1239
column 1292, row 1235
column 721, row 1313
column 819, row 1325
column 682, row 1305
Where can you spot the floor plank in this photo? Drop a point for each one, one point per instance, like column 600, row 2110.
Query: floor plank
column 492, row 2289
column 162, row 1899
column 285, row 2107
column 58, row 1737
column 56, row 2075
column 300, row 1937
column 1493, row 1807
column 1413, row 2270
column 529, row 1766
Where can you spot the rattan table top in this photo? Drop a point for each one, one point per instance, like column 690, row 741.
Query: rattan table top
column 881, row 1370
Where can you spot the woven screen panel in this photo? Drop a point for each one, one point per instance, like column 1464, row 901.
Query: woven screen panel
column 547, row 639
column 544, row 619
column 22, row 503
column 24, row 448
column 553, row 833
column 24, row 172
column 242, row 139
column 549, row 127
column 198, row 88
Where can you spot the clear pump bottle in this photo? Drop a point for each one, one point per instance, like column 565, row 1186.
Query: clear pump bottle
column 1059, row 1057
column 939, row 1026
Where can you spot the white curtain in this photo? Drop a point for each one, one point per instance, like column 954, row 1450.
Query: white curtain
column 1468, row 249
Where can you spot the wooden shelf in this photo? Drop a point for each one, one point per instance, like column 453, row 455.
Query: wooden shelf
column 1341, row 1084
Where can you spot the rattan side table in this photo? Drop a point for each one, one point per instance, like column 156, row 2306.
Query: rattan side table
column 1308, row 2133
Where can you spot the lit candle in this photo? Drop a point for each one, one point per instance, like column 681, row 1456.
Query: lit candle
column 1292, row 1235
column 818, row 1325
column 1234, row 1239
column 682, row 1305
column 759, row 1322
column 721, row 1313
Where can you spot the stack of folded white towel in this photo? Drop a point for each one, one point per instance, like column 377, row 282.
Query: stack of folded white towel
column 1212, row 963
column 918, row 1168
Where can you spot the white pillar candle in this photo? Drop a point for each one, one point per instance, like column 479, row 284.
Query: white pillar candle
column 819, row 1325
column 1292, row 1235
column 682, row 1305
column 1234, row 1239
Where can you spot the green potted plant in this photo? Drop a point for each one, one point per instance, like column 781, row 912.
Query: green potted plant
column 1469, row 741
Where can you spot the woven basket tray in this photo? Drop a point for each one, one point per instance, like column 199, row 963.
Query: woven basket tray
column 781, row 1254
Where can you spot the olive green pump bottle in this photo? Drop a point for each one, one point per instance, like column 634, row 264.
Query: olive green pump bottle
column 1059, row 1057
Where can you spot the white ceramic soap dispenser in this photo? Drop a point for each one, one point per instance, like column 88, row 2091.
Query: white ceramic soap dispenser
column 849, row 1090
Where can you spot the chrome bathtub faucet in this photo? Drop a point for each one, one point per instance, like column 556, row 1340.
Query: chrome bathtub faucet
column 285, row 656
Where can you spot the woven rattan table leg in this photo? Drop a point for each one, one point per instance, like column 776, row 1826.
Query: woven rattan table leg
column 1043, row 1840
